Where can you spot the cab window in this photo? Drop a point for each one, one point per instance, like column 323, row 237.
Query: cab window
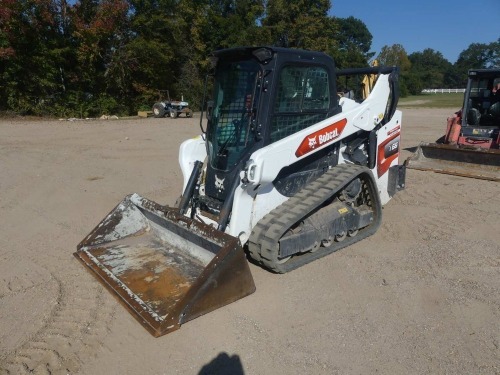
column 303, row 99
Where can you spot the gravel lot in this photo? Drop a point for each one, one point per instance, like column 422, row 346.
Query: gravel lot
column 421, row 296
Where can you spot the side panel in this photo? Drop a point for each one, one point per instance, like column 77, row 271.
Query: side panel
column 388, row 152
column 190, row 151
column 267, row 162
column 251, row 206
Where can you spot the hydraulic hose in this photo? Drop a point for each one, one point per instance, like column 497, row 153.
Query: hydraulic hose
column 188, row 192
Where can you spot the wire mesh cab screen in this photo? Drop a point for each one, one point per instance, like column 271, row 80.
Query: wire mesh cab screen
column 303, row 99
column 483, row 106
column 237, row 88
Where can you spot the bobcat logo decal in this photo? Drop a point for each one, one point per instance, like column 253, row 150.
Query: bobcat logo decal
column 312, row 142
column 321, row 137
column 219, row 184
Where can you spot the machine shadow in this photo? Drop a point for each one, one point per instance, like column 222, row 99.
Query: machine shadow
column 223, row 364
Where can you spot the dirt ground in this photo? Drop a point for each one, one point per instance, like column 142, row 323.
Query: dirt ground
column 421, row 296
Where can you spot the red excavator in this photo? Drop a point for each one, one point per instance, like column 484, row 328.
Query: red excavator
column 470, row 146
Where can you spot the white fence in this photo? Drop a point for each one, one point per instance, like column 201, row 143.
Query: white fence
column 442, row 91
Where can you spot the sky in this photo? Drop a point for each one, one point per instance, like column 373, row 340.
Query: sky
column 446, row 26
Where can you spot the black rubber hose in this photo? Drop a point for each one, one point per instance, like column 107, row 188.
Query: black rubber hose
column 228, row 205
column 188, row 192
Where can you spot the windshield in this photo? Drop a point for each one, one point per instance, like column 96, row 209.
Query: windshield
column 483, row 104
column 231, row 130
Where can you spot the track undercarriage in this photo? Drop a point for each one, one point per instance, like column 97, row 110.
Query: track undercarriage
column 338, row 209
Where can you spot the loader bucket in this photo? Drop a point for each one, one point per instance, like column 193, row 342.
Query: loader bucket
column 477, row 163
column 165, row 268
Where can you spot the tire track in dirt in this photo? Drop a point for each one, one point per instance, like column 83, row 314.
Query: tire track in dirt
column 441, row 249
column 433, row 199
column 72, row 317
column 73, row 332
column 449, row 263
column 304, row 359
column 433, row 224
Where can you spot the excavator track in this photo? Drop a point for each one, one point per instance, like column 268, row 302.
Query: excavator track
column 263, row 244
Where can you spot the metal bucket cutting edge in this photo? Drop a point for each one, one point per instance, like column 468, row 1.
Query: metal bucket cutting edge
column 165, row 268
column 476, row 163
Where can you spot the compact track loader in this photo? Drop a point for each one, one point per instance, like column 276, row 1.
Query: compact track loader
column 286, row 172
column 470, row 146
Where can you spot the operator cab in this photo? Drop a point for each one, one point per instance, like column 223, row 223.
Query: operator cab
column 482, row 100
column 260, row 95
column 481, row 110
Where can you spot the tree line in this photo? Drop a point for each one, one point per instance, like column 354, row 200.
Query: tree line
column 93, row 57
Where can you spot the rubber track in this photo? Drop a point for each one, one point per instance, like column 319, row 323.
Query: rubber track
column 263, row 243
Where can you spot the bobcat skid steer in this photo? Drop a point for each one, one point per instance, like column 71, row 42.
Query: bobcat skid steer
column 471, row 144
column 286, row 172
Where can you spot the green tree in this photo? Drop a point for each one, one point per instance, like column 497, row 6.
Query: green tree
column 195, row 52
column 231, row 23
column 299, row 24
column 396, row 55
column 452, row 77
column 33, row 54
column 478, row 56
column 430, row 68
column 211, row 25
column 89, row 57
column 150, row 56
column 353, row 43
column 99, row 29
column 412, row 83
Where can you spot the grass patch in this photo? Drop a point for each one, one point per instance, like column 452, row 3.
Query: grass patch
column 454, row 100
